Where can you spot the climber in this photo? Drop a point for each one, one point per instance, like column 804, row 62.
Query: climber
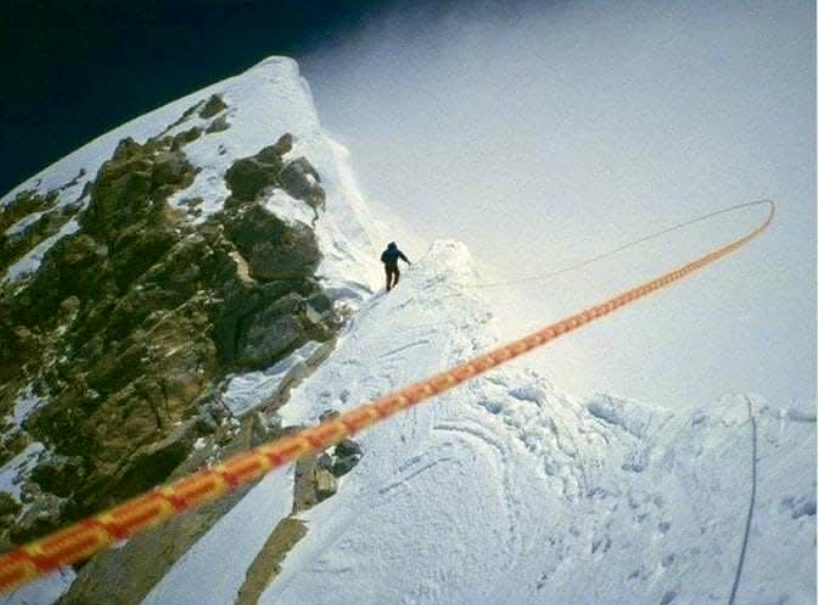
column 389, row 258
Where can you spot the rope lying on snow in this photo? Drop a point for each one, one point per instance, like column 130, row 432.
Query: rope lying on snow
column 91, row 535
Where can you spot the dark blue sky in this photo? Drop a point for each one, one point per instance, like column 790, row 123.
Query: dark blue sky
column 72, row 69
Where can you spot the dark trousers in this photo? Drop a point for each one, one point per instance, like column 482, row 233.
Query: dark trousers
column 392, row 276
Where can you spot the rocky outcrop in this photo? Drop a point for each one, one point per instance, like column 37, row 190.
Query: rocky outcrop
column 267, row 565
column 42, row 220
column 127, row 574
column 302, row 181
column 132, row 322
column 273, row 249
column 214, row 106
column 249, row 177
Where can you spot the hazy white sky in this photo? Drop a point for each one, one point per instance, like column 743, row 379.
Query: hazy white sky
column 541, row 133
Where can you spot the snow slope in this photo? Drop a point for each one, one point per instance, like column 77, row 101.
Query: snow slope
column 506, row 491
column 263, row 103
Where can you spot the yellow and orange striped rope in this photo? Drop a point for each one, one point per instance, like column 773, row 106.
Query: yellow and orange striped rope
column 87, row 537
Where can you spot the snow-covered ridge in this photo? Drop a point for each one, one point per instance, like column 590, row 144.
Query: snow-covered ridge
column 505, row 491
column 263, row 103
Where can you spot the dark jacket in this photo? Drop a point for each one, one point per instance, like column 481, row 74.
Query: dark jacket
column 391, row 255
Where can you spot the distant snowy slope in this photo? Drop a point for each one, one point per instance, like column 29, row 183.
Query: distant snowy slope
column 505, row 491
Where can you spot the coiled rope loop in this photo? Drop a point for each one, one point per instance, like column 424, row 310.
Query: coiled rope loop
column 87, row 537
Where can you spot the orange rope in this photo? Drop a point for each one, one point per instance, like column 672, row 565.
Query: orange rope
column 87, row 537
column 541, row 277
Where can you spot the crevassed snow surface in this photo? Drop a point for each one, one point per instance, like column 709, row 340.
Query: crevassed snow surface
column 506, row 491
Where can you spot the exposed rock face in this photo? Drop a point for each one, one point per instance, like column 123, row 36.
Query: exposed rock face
column 43, row 516
column 59, row 474
column 131, row 323
column 220, row 124
column 249, row 177
column 268, row 563
column 8, row 505
column 347, row 455
column 316, row 476
column 127, row 574
column 302, row 181
column 44, row 220
column 273, row 249
column 214, row 105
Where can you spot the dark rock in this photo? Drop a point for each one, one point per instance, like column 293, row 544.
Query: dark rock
column 14, row 441
column 214, row 105
column 132, row 187
column 273, row 249
column 183, row 138
column 9, row 505
column 128, row 324
column 43, row 516
column 29, row 492
column 328, row 415
column 125, row 575
column 348, row 447
column 138, row 249
column 170, row 168
column 72, row 267
column 343, row 465
column 14, row 245
column 59, row 474
column 70, row 306
column 233, row 316
column 248, row 177
column 126, row 149
column 220, row 124
column 25, row 203
column 188, row 113
column 153, row 463
column 268, row 337
column 119, row 198
column 261, row 429
column 324, row 461
column 270, row 156
column 320, row 303
column 283, row 145
column 304, row 496
column 206, row 424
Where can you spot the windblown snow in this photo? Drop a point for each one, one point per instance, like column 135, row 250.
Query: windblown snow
column 504, row 490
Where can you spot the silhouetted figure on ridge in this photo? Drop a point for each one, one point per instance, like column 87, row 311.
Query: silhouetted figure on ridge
column 389, row 258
